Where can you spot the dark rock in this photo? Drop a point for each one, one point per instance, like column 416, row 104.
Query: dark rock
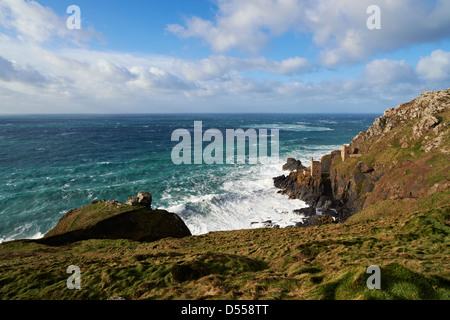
column 319, row 194
column 327, row 160
column 307, row 212
column 324, row 203
column 329, row 212
column 142, row 199
column 293, row 165
column 266, row 224
column 364, row 168
column 315, row 192
column 132, row 201
column 314, row 221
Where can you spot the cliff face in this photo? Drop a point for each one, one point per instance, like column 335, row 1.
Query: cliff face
column 426, row 114
column 404, row 154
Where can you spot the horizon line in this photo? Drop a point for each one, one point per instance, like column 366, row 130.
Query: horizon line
column 187, row 113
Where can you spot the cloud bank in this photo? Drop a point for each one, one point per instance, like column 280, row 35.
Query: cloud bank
column 38, row 77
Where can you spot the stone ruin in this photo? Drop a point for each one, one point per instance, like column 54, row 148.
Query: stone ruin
column 349, row 152
column 315, row 170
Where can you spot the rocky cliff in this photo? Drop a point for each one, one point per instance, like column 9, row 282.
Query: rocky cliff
column 404, row 154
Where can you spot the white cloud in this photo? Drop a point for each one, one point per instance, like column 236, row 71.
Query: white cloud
column 388, row 72
column 291, row 66
column 246, row 24
column 344, row 37
column 84, row 80
column 220, row 66
column 34, row 78
column 33, row 22
column 435, row 67
column 338, row 28
column 154, row 78
column 12, row 72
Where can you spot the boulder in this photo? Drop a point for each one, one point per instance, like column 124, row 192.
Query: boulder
column 307, row 212
column 293, row 165
column 102, row 220
column 427, row 123
column 132, row 201
column 142, row 199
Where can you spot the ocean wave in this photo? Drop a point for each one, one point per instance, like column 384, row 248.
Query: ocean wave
column 68, row 133
column 21, row 233
column 243, row 202
column 292, row 127
column 329, row 121
column 306, row 152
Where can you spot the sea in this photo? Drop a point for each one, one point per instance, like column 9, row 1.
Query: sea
column 50, row 164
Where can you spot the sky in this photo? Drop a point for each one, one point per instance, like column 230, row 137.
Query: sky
column 220, row 56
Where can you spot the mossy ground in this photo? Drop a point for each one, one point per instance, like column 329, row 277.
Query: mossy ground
column 88, row 215
column 407, row 239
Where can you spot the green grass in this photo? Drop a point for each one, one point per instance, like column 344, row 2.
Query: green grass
column 90, row 215
column 409, row 242
column 401, row 283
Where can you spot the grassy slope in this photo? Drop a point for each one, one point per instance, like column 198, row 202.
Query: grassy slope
column 324, row 262
column 88, row 215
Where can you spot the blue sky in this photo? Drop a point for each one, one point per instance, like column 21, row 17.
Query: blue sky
column 220, row 55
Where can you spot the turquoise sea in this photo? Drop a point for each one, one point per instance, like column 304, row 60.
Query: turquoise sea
column 53, row 163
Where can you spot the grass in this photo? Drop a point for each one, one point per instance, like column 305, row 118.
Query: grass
column 89, row 215
column 408, row 239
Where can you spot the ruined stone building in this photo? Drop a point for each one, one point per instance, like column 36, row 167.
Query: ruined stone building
column 316, row 168
column 346, row 151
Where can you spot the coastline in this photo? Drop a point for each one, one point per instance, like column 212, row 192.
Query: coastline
column 115, row 157
column 399, row 223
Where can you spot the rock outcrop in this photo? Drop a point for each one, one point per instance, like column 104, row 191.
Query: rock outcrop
column 316, row 193
column 293, row 165
column 115, row 220
column 424, row 109
column 142, row 199
column 404, row 154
